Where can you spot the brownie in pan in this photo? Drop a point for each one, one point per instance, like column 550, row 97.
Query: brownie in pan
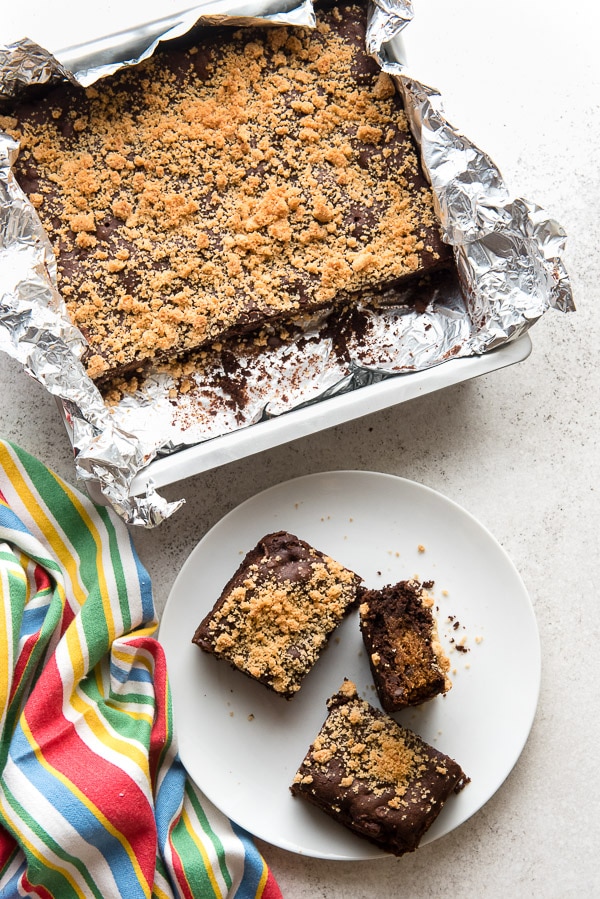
column 231, row 184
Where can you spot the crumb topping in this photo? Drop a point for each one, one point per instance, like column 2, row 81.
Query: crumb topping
column 255, row 176
column 367, row 748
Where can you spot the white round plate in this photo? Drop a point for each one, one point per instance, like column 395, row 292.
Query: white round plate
column 242, row 744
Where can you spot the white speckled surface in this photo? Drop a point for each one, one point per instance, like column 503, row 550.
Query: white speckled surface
column 520, row 449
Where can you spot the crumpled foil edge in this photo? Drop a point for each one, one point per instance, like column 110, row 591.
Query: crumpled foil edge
column 507, row 250
column 36, row 331
column 508, row 255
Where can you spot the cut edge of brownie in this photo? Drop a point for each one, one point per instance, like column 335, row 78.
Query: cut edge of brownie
column 379, row 779
column 278, row 611
column 400, row 633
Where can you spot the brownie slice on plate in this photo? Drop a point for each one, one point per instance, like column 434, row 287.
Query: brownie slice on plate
column 277, row 612
column 408, row 663
column 380, row 780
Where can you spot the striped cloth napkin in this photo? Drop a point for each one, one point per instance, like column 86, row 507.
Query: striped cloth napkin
column 94, row 801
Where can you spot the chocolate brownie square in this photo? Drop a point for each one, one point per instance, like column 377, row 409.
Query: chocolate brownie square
column 407, row 660
column 278, row 611
column 233, row 184
column 379, row 779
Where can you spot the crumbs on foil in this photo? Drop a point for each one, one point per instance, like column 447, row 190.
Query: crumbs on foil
column 508, row 260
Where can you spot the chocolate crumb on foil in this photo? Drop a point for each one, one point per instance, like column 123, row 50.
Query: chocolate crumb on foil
column 385, row 335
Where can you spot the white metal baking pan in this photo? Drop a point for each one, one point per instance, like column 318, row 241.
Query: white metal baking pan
column 325, row 414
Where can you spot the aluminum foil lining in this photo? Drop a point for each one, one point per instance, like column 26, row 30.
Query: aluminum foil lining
column 507, row 251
